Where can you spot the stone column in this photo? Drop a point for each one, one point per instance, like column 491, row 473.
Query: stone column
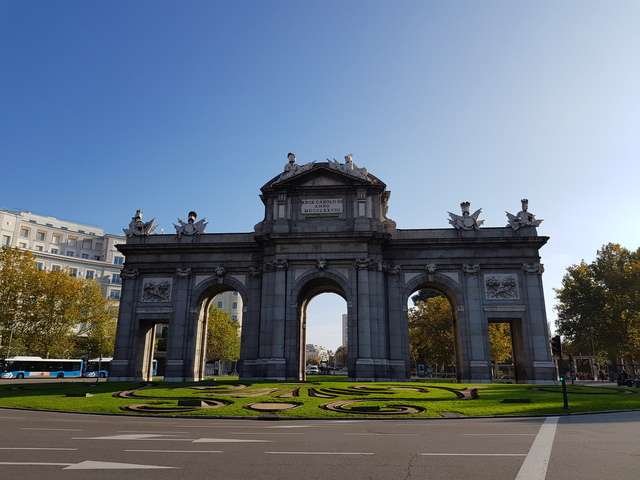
column 479, row 366
column 542, row 366
column 122, row 365
column 398, row 328
column 364, row 361
column 180, row 352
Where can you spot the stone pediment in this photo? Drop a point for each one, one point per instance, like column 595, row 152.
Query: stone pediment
column 322, row 174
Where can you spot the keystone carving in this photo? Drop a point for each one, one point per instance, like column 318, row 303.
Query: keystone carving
column 471, row 268
column 533, row 267
column 321, row 264
column 129, row 273
column 219, row 271
column 431, row 267
column 183, row 272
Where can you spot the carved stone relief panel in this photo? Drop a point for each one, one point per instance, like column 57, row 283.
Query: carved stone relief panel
column 501, row 286
column 156, row 290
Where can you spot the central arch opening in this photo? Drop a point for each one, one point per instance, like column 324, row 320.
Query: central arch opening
column 433, row 351
column 324, row 329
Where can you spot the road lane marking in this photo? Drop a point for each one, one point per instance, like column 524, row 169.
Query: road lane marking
column 536, row 463
column 55, row 429
column 474, row 454
column 39, row 448
column 54, row 464
column 174, row 451
column 499, row 434
column 229, row 440
column 132, row 436
column 292, row 426
column 96, row 465
column 382, row 434
column 266, row 433
column 152, row 433
column 320, row 453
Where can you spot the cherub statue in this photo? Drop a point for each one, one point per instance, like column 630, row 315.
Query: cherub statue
column 291, row 162
column 138, row 228
column 523, row 218
column 466, row 221
column 190, row 227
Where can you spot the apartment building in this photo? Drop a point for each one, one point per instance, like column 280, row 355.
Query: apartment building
column 83, row 251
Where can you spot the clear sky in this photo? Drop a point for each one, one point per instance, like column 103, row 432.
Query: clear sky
column 106, row 107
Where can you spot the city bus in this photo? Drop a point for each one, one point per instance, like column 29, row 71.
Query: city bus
column 98, row 367
column 38, row 367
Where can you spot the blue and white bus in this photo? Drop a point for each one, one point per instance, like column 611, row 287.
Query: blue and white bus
column 38, row 367
column 98, row 367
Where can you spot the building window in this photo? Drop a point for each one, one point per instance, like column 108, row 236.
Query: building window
column 6, row 240
column 24, row 232
column 84, row 255
column 96, row 257
column 41, row 236
column 40, row 248
column 69, row 253
column 114, row 294
column 54, row 251
column 115, row 278
column 73, row 272
column 235, row 305
column 219, row 304
column 99, row 245
column 86, row 244
column 56, row 238
column 234, row 318
column 72, row 241
column 40, row 265
column 89, row 274
column 117, row 260
column 22, row 245
column 55, row 268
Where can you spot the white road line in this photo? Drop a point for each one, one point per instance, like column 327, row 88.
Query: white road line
column 229, row 440
column 39, row 448
column 174, row 451
column 292, row 426
column 382, row 434
column 266, row 433
column 96, row 465
column 499, row 434
column 535, row 465
column 54, row 429
column 474, row 454
column 152, row 433
column 38, row 463
column 320, row 453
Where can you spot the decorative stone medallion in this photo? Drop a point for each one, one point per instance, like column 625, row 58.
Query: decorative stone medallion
column 156, row 290
column 501, row 286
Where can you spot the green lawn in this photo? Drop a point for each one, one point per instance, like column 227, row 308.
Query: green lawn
column 232, row 397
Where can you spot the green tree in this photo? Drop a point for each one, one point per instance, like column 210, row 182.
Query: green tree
column 51, row 314
column 599, row 304
column 431, row 333
column 500, row 342
column 223, row 339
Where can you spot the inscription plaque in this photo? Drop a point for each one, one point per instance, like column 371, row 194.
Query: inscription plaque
column 321, row 207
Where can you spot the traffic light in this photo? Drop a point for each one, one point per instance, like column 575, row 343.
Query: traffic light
column 556, row 346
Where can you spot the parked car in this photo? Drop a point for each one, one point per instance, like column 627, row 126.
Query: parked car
column 312, row 370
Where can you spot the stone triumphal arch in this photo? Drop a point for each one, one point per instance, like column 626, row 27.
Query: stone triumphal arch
column 325, row 229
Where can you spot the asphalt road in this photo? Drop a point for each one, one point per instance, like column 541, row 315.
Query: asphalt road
column 37, row 445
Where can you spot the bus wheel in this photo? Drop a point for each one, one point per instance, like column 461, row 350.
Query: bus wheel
column 20, row 376
column 60, row 375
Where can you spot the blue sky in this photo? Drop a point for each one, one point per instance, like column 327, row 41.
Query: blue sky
column 170, row 106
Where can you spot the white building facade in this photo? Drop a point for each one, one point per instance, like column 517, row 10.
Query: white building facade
column 84, row 251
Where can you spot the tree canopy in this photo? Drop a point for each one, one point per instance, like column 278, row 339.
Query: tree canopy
column 51, row 314
column 223, row 336
column 431, row 334
column 599, row 304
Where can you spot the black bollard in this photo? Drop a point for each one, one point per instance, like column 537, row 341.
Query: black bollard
column 565, row 398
